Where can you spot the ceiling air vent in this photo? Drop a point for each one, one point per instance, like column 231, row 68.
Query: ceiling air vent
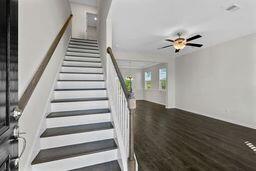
column 233, row 8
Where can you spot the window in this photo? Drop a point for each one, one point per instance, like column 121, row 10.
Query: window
column 148, row 78
column 128, row 83
column 162, row 78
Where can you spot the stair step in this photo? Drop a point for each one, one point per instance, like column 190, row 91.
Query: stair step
column 77, row 113
column 83, row 56
column 81, row 73
column 80, row 154
column 80, row 84
column 86, row 54
column 83, row 44
column 76, row 129
column 79, row 100
column 76, row 60
column 83, row 41
column 83, row 48
column 82, row 66
column 89, row 40
column 109, row 166
column 69, row 94
column 80, row 76
column 81, row 69
column 73, row 58
column 77, row 51
column 85, row 89
column 83, row 63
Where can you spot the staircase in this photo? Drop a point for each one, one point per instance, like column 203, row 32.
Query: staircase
column 79, row 134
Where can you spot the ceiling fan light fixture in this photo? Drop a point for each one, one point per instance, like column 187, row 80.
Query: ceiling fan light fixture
column 180, row 43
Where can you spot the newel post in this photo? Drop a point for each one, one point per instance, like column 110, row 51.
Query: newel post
column 132, row 107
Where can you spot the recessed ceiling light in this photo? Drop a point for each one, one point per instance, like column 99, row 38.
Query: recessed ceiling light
column 95, row 18
column 233, row 8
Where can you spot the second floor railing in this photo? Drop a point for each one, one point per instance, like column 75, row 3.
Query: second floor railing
column 123, row 109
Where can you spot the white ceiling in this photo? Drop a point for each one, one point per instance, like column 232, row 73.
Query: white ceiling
column 142, row 25
column 135, row 64
column 92, row 3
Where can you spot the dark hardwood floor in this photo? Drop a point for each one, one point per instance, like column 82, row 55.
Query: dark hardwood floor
column 175, row 140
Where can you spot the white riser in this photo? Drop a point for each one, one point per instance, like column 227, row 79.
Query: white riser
column 79, row 94
column 82, row 58
column 84, row 50
column 84, row 44
column 69, row 76
column 79, row 84
column 75, row 46
column 77, row 69
column 84, row 40
column 83, row 54
column 78, row 162
column 77, row 120
column 82, row 63
column 84, row 105
column 71, row 139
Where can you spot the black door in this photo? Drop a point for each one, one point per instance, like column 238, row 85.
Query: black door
column 8, row 83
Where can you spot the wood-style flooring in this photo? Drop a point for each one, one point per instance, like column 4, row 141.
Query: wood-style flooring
column 175, row 140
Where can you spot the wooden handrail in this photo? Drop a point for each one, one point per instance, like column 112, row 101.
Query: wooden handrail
column 132, row 107
column 119, row 75
column 37, row 76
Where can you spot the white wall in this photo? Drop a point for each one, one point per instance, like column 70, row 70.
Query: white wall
column 39, row 23
column 79, row 22
column 154, row 94
column 104, row 29
column 137, row 83
column 91, row 33
column 169, row 99
column 220, row 81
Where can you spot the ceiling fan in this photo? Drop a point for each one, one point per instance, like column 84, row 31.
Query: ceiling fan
column 180, row 43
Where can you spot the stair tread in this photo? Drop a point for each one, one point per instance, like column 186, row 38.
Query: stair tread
column 81, row 80
column 73, row 38
column 50, row 132
column 82, row 56
column 109, row 166
column 80, row 89
column 75, row 51
column 83, row 44
column 81, row 66
column 88, row 42
column 70, row 151
column 77, row 113
column 98, row 73
column 79, row 100
column 70, row 60
column 75, row 47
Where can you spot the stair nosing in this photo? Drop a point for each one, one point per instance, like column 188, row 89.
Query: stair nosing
column 82, row 56
column 96, row 73
column 80, row 44
column 68, row 60
column 88, row 42
column 80, row 80
column 74, row 51
column 79, row 100
column 90, row 112
column 114, row 147
column 97, row 49
column 88, row 89
column 81, row 66
column 79, row 132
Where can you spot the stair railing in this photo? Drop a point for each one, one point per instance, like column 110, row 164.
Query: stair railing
column 123, row 109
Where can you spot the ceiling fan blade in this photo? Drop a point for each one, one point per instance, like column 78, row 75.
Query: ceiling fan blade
column 194, row 37
column 165, row 47
column 177, row 50
column 194, row 45
column 169, row 40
